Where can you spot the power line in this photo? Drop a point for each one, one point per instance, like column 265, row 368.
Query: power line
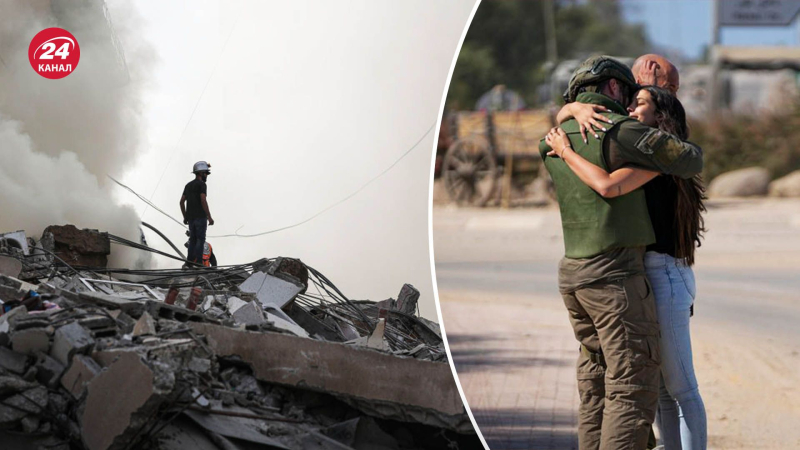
column 199, row 99
column 321, row 212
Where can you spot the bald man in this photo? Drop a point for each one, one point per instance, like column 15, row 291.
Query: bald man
column 652, row 69
column 648, row 70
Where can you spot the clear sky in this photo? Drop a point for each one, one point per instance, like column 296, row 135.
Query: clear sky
column 305, row 103
column 685, row 25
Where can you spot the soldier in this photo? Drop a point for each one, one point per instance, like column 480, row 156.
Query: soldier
column 602, row 278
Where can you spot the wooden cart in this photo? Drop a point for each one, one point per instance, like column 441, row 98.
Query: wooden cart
column 492, row 146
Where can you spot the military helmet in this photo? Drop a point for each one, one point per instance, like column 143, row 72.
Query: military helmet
column 201, row 166
column 595, row 70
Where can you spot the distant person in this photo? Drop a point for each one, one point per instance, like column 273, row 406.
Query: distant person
column 602, row 276
column 194, row 208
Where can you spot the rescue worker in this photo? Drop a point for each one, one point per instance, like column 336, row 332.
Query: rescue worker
column 602, row 278
column 196, row 214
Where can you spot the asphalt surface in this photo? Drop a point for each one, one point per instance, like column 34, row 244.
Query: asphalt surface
column 514, row 350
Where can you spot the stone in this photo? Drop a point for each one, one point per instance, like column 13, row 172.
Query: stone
column 376, row 340
column 69, row 340
column 120, row 401
column 13, row 361
column 749, row 182
column 48, row 370
column 787, row 186
column 250, row 314
column 30, row 341
column 80, row 247
column 145, row 325
column 16, row 407
column 271, row 290
column 10, row 384
column 82, row 370
column 407, row 299
column 8, row 319
column 10, row 266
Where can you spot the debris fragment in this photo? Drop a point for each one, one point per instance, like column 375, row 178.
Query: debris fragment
column 256, row 355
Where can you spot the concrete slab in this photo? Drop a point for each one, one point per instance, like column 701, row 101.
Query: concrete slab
column 82, row 370
column 271, row 290
column 250, row 314
column 145, row 325
column 30, row 341
column 10, row 266
column 405, row 384
column 69, row 340
column 119, row 402
column 13, row 361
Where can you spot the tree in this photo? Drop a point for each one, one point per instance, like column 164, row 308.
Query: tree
column 506, row 44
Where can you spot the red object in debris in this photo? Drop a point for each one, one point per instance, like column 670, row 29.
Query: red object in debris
column 193, row 298
column 172, row 294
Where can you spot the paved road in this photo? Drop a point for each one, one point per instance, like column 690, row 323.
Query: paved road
column 514, row 350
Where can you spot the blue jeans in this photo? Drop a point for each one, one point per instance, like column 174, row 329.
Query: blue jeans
column 681, row 413
column 197, row 238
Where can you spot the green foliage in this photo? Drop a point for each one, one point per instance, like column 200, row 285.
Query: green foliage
column 733, row 142
column 506, row 44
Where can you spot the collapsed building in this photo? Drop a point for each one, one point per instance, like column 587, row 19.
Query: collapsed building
column 269, row 354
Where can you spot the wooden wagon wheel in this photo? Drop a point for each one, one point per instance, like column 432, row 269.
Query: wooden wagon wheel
column 470, row 172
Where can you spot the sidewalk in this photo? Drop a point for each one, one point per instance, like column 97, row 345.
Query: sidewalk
column 517, row 371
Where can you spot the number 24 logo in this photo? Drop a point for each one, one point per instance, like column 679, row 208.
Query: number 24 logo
column 50, row 48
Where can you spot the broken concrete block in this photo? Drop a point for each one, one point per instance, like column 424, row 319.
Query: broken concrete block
column 13, row 361
column 8, row 319
column 271, row 290
column 287, row 325
column 145, row 325
column 30, row 341
column 10, row 384
column 250, row 314
column 120, row 401
column 376, row 340
column 82, row 370
column 31, row 401
column 403, row 383
column 69, row 340
column 199, row 365
column 235, row 303
column 407, row 299
column 10, row 266
column 80, row 247
column 48, row 370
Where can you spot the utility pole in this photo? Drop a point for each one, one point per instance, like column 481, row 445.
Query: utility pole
column 713, row 84
column 550, row 30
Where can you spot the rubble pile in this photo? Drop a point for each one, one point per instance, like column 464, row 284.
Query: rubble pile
column 263, row 355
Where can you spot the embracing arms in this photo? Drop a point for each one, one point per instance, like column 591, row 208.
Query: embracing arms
column 608, row 185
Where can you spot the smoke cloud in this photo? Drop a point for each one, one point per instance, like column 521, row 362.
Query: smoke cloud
column 59, row 138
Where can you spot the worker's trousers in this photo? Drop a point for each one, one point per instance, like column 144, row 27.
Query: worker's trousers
column 618, row 367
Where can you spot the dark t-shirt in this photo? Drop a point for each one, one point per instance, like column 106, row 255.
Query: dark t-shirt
column 192, row 191
column 662, row 194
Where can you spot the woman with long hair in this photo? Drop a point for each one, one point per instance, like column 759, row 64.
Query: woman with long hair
column 675, row 206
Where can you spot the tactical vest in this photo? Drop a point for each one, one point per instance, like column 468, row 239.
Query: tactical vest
column 593, row 224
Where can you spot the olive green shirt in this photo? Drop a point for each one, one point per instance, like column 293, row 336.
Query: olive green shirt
column 631, row 143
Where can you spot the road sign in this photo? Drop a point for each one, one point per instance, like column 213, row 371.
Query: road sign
column 757, row 12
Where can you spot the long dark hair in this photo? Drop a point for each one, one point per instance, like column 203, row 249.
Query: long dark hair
column 689, row 206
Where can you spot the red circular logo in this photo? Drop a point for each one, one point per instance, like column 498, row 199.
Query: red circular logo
column 54, row 53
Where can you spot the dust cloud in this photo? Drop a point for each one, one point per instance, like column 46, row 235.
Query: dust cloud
column 59, row 138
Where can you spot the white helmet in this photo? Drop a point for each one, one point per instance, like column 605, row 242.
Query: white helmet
column 201, row 166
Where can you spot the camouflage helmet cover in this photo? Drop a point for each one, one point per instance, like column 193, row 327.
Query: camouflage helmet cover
column 595, row 70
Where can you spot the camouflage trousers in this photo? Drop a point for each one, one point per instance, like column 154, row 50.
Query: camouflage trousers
column 618, row 366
